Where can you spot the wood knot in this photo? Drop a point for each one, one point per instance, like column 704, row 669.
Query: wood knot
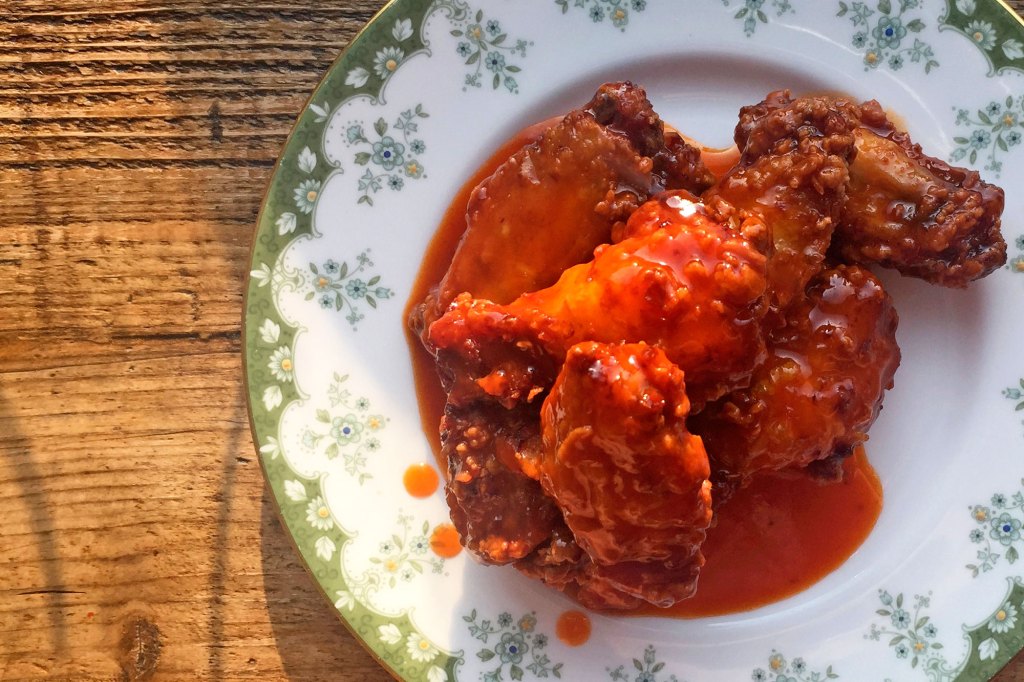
column 139, row 649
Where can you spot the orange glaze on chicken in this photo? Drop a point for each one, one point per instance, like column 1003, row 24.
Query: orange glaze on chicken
column 733, row 582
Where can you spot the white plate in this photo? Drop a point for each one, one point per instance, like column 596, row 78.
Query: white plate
column 934, row 593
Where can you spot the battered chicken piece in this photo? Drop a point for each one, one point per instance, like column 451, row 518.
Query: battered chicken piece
column 694, row 287
column 500, row 513
column 554, row 201
column 821, row 387
column 917, row 214
column 630, row 480
column 904, row 209
column 792, row 174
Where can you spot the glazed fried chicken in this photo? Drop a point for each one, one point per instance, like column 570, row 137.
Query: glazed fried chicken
column 693, row 286
column 597, row 407
column 484, row 445
column 912, row 212
column 679, row 278
column 821, row 387
column 553, row 202
column 903, row 209
column 630, row 480
column 792, row 175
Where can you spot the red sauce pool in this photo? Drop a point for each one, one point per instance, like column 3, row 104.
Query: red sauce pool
column 773, row 539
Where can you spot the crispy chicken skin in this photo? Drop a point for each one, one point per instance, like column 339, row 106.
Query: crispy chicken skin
column 919, row 215
column 500, row 513
column 630, row 480
column 793, row 175
column 903, row 209
column 693, row 286
column 821, row 387
column 554, row 201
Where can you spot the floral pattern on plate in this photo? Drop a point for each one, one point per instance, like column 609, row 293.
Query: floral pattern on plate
column 402, row 557
column 649, row 669
column 995, row 31
column 388, row 161
column 912, row 637
column 752, row 11
column 781, row 669
column 887, row 33
column 615, row 11
column 999, row 525
column 996, row 128
column 335, row 287
column 273, row 349
column 485, row 47
column 910, row 634
column 513, row 645
column 311, row 522
column 347, row 429
column 1016, row 264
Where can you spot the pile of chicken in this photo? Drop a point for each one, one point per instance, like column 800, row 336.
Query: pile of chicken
column 624, row 340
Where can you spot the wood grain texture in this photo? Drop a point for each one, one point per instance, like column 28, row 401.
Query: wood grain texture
column 138, row 541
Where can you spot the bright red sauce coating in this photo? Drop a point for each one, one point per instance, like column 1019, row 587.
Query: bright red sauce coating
column 773, row 539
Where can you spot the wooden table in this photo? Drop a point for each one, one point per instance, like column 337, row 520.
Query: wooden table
column 137, row 539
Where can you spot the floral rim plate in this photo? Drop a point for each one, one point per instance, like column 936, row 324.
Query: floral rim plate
column 403, row 118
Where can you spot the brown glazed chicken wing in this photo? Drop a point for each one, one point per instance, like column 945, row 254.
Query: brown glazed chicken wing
column 630, row 480
column 694, row 287
column 555, row 200
column 500, row 513
column 912, row 212
column 821, row 387
column 903, row 209
column 792, row 174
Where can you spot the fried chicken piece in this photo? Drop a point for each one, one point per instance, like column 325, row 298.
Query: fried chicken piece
column 692, row 286
column 821, row 387
column 630, row 480
column 500, row 513
column 792, row 175
column 554, row 201
column 904, row 209
column 912, row 212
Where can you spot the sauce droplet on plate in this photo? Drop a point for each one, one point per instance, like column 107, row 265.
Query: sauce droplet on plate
column 573, row 628
column 445, row 541
column 420, row 480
